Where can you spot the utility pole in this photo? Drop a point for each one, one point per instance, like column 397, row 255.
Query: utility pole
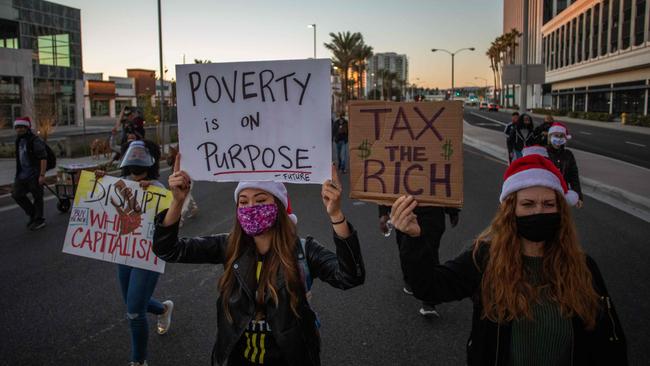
column 524, row 62
column 162, row 89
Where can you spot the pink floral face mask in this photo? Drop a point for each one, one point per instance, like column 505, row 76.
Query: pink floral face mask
column 255, row 220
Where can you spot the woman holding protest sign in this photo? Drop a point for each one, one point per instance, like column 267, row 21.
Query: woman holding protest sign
column 139, row 164
column 538, row 298
column 263, row 313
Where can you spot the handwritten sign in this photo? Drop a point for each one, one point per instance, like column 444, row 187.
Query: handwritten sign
column 255, row 120
column 407, row 148
column 112, row 220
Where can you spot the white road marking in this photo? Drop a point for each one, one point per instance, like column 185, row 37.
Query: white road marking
column 489, row 119
column 486, row 124
column 635, row 144
column 585, row 133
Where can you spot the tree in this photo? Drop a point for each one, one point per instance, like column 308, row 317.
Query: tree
column 344, row 48
column 362, row 53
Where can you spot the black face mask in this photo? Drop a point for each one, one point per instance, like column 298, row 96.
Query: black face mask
column 137, row 170
column 540, row 227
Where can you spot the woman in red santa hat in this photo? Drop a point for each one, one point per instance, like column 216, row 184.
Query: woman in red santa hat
column 538, row 298
column 263, row 314
column 558, row 135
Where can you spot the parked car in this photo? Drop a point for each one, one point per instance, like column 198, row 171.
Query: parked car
column 492, row 107
column 482, row 106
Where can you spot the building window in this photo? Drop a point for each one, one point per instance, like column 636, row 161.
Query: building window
column 579, row 100
column 599, row 98
column 594, row 34
column 573, row 57
column 8, row 34
column 54, row 50
column 557, row 49
column 639, row 22
column 629, row 97
column 588, row 35
column 565, row 100
column 604, row 28
column 123, row 86
column 99, row 108
column 580, row 33
column 627, row 23
column 120, row 104
column 615, row 24
column 9, row 43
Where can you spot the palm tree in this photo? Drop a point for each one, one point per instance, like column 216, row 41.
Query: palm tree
column 362, row 53
column 344, row 47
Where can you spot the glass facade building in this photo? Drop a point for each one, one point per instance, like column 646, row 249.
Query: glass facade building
column 53, row 33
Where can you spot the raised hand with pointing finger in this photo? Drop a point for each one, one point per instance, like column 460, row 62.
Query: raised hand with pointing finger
column 180, row 184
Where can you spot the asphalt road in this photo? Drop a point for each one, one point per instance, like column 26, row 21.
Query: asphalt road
column 627, row 146
column 58, row 309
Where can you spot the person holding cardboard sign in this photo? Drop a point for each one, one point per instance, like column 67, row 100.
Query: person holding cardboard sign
column 538, row 298
column 263, row 313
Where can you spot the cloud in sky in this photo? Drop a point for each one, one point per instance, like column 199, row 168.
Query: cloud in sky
column 122, row 34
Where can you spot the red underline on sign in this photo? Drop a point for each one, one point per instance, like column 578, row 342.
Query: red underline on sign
column 263, row 171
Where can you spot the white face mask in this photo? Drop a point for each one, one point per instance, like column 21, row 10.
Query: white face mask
column 558, row 141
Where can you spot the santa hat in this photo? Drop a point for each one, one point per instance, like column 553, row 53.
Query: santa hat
column 535, row 149
column 559, row 127
column 23, row 121
column 277, row 189
column 535, row 170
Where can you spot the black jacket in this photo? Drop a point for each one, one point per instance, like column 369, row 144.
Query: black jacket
column 565, row 161
column 36, row 151
column 541, row 133
column 296, row 337
column 522, row 136
column 489, row 342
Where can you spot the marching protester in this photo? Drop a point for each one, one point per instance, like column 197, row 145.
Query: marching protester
column 538, row 298
column 541, row 131
column 433, row 219
column 507, row 131
column 340, row 137
column 535, row 149
column 31, row 165
column 139, row 164
column 521, row 135
column 263, row 314
column 563, row 158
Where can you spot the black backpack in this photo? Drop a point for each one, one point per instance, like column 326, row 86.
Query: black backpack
column 51, row 157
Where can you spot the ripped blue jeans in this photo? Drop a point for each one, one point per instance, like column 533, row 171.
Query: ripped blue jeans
column 137, row 287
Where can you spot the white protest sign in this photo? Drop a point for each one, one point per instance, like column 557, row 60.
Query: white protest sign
column 112, row 219
column 267, row 120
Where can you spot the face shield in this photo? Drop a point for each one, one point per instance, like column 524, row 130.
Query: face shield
column 137, row 155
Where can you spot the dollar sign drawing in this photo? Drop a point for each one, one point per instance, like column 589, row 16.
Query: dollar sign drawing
column 447, row 150
column 364, row 149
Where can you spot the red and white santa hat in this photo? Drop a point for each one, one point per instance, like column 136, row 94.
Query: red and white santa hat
column 535, row 149
column 532, row 171
column 277, row 189
column 23, row 121
column 559, row 127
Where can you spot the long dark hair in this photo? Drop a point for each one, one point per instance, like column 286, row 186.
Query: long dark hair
column 281, row 256
column 521, row 124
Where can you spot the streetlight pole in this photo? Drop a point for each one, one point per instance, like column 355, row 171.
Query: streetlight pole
column 314, row 26
column 162, row 88
column 453, row 54
column 524, row 62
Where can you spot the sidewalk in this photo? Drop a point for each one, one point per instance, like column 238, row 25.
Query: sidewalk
column 609, row 125
column 617, row 183
column 96, row 125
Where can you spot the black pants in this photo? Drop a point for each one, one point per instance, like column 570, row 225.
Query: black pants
column 21, row 188
column 432, row 224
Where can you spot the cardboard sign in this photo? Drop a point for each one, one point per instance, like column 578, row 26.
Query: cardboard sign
column 112, row 219
column 256, row 121
column 407, row 148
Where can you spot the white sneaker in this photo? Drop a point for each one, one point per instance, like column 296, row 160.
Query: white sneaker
column 138, row 363
column 407, row 290
column 165, row 319
column 429, row 311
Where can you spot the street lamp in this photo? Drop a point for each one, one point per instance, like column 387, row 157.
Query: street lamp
column 452, row 63
column 313, row 26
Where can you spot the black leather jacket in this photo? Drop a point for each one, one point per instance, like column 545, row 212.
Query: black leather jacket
column 297, row 338
column 489, row 342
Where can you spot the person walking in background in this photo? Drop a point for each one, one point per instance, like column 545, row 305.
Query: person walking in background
column 263, row 313
column 139, row 164
column 538, row 298
column 31, row 166
column 507, row 131
column 541, row 131
column 433, row 220
column 340, row 137
column 522, row 135
column 563, row 158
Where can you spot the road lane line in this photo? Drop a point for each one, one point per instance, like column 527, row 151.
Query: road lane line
column 585, row 133
column 635, row 144
column 489, row 119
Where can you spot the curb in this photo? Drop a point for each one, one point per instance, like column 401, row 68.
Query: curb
column 625, row 201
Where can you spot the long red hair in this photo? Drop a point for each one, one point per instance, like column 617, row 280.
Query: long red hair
column 281, row 256
column 505, row 292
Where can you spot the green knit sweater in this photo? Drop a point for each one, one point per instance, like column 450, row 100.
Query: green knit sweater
column 546, row 339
